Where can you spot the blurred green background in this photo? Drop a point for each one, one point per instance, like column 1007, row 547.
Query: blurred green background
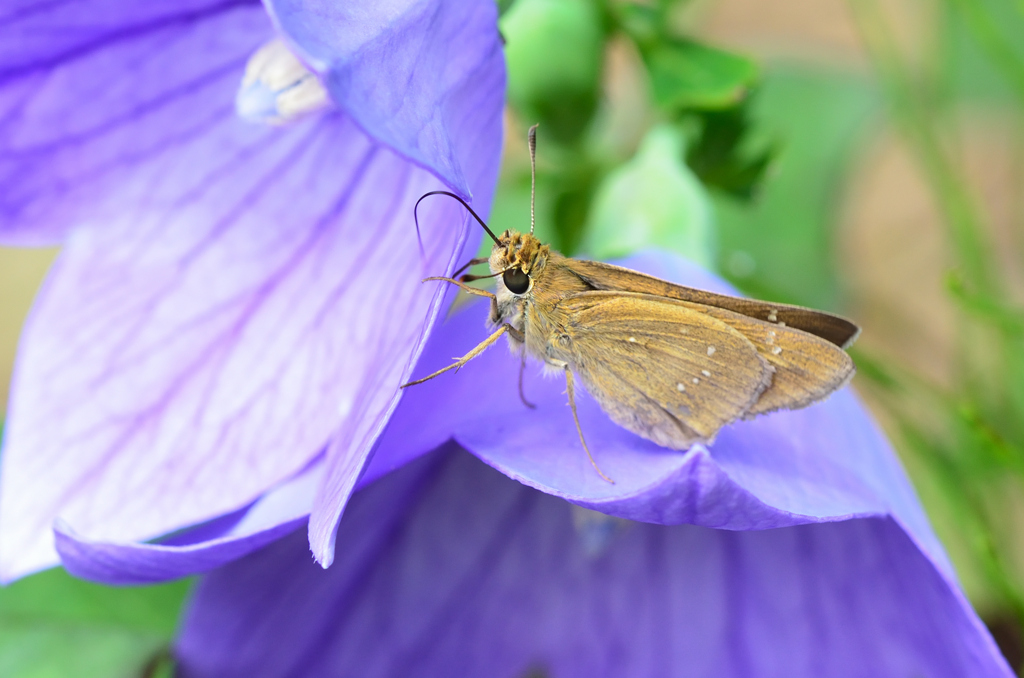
column 861, row 156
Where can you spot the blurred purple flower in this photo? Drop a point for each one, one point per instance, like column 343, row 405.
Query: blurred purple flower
column 451, row 569
column 447, row 568
column 234, row 303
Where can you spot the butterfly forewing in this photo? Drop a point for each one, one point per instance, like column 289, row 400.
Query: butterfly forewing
column 659, row 368
column 834, row 329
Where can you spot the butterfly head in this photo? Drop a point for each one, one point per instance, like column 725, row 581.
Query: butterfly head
column 519, row 257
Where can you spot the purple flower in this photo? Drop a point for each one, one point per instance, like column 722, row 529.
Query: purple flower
column 215, row 362
column 235, row 303
column 451, row 569
column 822, row 562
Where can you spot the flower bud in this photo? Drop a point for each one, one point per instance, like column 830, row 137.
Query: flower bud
column 654, row 200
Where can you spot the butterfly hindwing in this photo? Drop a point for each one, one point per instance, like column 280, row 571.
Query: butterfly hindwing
column 658, row 367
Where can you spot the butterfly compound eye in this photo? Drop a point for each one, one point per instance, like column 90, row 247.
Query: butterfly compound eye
column 516, row 281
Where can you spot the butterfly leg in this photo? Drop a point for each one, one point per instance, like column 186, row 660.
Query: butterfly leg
column 471, row 262
column 576, row 418
column 466, row 358
column 475, row 291
column 522, row 394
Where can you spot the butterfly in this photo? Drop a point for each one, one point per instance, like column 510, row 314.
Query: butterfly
column 672, row 364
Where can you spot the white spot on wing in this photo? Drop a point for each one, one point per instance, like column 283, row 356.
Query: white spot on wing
column 777, row 350
column 696, row 380
column 705, row 373
column 633, row 339
column 711, row 350
column 680, row 387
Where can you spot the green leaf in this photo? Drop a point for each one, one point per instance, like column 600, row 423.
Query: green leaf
column 781, row 246
column 554, row 54
column 645, row 21
column 52, row 624
column 688, row 75
column 654, row 200
column 573, row 194
column 721, row 156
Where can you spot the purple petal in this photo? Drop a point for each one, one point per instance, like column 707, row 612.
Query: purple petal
column 435, row 56
column 177, row 367
column 461, row 41
column 451, row 569
column 826, row 462
column 277, row 513
column 100, row 100
column 209, row 546
column 255, row 295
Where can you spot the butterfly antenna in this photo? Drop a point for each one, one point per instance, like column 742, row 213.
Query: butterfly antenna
column 450, row 195
column 533, row 173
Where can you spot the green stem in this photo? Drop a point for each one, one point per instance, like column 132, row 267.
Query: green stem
column 970, row 509
column 991, row 39
column 916, row 118
column 1009, row 320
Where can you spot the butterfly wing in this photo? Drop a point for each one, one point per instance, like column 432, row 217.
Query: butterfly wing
column 600, row 276
column 659, row 368
column 806, row 367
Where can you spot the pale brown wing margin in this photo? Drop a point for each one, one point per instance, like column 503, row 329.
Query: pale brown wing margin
column 833, row 328
column 647, row 362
